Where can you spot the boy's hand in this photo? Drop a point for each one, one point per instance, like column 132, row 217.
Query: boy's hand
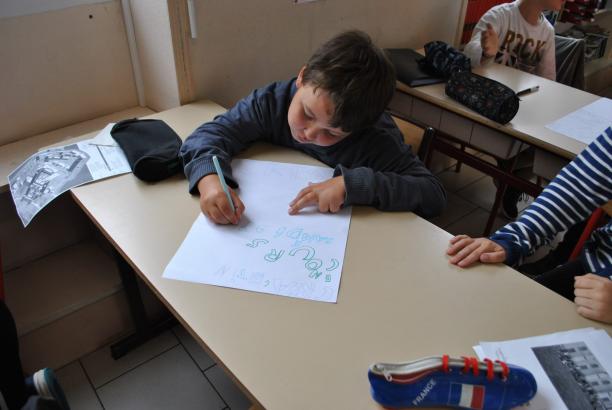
column 465, row 251
column 328, row 195
column 594, row 297
column 214, row 203
column 489, row 42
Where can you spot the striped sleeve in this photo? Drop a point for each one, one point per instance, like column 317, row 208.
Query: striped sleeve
column 581, row 187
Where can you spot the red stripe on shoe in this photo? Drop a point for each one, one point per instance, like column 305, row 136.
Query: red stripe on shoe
column 478, row 397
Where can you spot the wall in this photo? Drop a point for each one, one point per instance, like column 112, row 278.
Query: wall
column 155, row 53
column 62, row 66
column 242, row 45
column 14, row 8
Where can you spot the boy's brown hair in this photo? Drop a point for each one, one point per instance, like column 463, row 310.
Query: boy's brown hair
column 358, row 76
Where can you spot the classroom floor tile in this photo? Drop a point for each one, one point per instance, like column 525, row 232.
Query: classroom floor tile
column 456, row 208
column 197, row 353
column 169, row 381
column 481, row 193
column 102, row 368
column 79, row 392
column 454, row 181
column 232, row 395
column 474, row 223
column 440, row 162
column 169, row 372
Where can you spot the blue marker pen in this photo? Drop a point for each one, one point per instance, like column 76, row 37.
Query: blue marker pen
column 223, row 183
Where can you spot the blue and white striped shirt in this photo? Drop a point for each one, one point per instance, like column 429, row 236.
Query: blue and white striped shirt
column 580, row 188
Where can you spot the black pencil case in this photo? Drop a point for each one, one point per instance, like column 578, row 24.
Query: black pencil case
column 150, row 146
column 442, row 59
column 487, row 97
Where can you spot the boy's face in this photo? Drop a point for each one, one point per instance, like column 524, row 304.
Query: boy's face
column 309, row 116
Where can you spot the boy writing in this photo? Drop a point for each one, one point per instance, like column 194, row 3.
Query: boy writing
column 334, row 112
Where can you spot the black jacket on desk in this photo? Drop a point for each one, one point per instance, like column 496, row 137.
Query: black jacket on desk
column 379, row 169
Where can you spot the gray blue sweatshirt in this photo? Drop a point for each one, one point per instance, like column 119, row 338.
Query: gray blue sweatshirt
column 379, row 169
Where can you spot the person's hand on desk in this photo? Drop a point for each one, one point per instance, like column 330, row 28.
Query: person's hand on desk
column 465, row 251
column 489, row 43
column 214, row 203
column 593, row 297
column 327, row 195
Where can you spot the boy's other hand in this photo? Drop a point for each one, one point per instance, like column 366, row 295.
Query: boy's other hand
column 328, row 195
column 489, row 42
column 214, row 203
column 593, row 297
column 465, row 251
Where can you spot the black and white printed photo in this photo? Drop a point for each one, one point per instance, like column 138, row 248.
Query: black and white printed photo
column 577, row 375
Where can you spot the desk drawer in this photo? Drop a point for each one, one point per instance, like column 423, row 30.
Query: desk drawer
column 547, row 165
column 456, row 126
column 401, row 103
column 495, row 142
column 426, row 113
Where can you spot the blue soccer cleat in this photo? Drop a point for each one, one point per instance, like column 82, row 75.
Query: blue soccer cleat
column 445, row 382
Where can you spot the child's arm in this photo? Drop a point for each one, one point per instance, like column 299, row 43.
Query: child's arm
column 484, row 44
column 225, row 136
column 381, row 171
column 594, row 297
column 214, row 202
column 411, row 188
column 465, row 251
column 581, row 187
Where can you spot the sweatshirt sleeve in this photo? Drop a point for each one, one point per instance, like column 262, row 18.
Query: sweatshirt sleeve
column 473, row 49
column 581, row 187
column 394, row 180
column 225, row 136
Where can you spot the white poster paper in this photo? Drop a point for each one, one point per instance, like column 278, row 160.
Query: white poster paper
column 587, row 123
column 269, row 251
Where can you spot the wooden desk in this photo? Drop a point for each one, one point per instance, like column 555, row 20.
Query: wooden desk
column 430, row 104
column 399, row 298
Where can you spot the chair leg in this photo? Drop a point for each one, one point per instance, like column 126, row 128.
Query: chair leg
column 499, row 195
column 426, row 150
column 501, row 190
column 1, row 277
column 459, row 163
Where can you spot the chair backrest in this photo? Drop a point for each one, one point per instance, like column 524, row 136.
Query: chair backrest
column 569, row 56
column 417, row 137
column 594, row 221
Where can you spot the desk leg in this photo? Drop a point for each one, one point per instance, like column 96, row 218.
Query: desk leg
column 145, row 330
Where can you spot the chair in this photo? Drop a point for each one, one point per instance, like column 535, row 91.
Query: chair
column 596, row 220
column 569, row 56
column 420, row 139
